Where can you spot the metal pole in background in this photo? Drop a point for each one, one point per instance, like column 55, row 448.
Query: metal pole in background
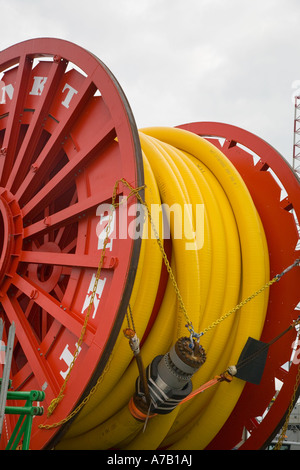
column 6, row 371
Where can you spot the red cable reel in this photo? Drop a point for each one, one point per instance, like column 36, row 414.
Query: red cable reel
column 67, row 134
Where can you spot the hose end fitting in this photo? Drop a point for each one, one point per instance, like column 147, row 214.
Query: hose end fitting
column 169, row 376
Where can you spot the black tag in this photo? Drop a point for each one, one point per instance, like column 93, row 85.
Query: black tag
column 251, row 363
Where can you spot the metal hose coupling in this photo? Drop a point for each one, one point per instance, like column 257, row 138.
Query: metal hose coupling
column 169, row 377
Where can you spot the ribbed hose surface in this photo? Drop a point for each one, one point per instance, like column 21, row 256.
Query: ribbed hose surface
column 182, row 168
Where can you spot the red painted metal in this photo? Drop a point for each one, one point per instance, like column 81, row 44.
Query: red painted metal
column 66, row 135
column 260, row 165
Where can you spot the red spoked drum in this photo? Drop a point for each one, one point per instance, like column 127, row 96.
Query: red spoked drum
column 67, row 134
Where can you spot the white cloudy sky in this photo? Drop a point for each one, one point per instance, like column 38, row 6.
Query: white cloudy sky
column 233, row 61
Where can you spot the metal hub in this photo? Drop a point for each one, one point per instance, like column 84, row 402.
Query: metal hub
column 192, row 357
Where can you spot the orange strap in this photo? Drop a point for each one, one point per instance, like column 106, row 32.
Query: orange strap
column 202, row 388
column 136, row 413
column 218, row 378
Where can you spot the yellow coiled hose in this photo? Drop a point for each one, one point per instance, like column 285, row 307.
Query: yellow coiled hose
column 231, row 263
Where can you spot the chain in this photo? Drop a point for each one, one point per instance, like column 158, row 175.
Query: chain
column 135, row 191
column 240, row 305
column 290, row 409
column 54, row 403
column 276, row 278
column 130, row 321
column 82, row 404
column 182, row 307
column 162, row 250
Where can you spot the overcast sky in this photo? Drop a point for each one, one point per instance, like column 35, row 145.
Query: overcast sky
column 232, row 61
